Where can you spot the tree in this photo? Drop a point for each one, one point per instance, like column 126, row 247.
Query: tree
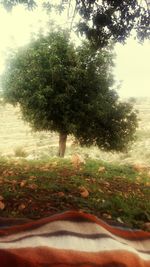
column 113, row 20
column 102, row 21
column 68, row 90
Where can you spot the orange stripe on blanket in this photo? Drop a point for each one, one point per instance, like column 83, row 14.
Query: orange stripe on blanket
column 46, row 257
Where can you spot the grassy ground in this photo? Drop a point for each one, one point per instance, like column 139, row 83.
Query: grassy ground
column 38, row 189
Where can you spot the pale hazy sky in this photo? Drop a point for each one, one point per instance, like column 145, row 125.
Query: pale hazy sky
column 132, row 61
column 133, row 68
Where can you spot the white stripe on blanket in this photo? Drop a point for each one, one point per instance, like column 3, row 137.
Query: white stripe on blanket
column 74, row 243
column 75, row 227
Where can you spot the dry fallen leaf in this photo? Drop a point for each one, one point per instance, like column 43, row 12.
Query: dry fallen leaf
column 140, row 168
column 83, row 191
column 32, row 177
column 91, row 180
column 107, row 215
column 119, row 220
column 21, row 207
column 1, row 181
column 101, row 169
column 14, row 182
column 107, row 184
column 100, row 190
column 23, row 183
column 11, row 173
column 8, row 173
column 60, row 194
column 1, row 198
column 2, row 205
column 26, row 168
column 138, row 178
column 54, row 164
column 77, row 160
column 32, row 186
column 5, row 173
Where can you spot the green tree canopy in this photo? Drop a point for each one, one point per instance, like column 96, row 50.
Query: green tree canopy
column 102, row 21
column 68, row 90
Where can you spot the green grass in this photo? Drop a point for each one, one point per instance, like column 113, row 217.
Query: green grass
column 54, row 186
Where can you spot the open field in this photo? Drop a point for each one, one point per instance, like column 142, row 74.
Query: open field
column 17, row 139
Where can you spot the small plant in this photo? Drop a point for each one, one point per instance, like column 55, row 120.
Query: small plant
column 20, row 152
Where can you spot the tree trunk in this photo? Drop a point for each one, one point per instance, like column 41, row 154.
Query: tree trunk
column 62, row 144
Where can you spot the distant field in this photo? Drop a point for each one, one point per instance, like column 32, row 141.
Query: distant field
column 17, row 139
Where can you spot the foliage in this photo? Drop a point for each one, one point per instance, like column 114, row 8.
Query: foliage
column 102, row 21
column 68, row 90
column 107, row 20
column 9, row 4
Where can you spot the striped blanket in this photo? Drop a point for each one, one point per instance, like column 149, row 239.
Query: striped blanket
column 72, row 239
